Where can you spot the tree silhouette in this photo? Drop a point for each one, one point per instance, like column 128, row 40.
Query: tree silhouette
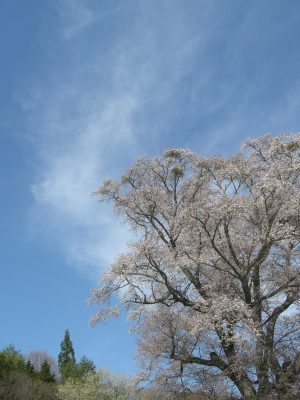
column 66, row 358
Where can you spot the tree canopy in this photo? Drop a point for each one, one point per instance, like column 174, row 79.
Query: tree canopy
column 66, row 358
column 212, row 279
column 85, row 366
column 20, row 380
column 45, row 373
column 11, row 360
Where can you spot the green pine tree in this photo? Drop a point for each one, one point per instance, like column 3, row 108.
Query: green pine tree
column 45, row 373
column 30, row 369
column 66, row 358
column 11, row 360
column 85, row 366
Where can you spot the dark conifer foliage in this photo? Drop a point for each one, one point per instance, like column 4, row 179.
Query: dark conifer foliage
column 30, row 369
column 85, row 366
column 45, row 374
column 66, row 358
column 67, row 353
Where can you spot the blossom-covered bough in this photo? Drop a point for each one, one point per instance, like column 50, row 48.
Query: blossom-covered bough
column 213, row 279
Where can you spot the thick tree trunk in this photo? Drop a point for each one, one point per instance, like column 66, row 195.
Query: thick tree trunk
column 246, row 389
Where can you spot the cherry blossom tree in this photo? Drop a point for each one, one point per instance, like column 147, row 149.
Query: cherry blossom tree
column 212, row 278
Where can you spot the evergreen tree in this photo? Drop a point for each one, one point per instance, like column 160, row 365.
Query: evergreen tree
column 29, row 368
column 67, row 353
column 85, row 366
column 66, row 358
column 45, row 374
column 11, row 360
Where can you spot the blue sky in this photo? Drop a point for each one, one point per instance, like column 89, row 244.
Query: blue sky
column 86, row 87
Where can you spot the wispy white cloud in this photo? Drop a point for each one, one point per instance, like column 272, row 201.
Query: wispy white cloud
column 147, row 76
column 74, row 16
column 91, row 122
column 76, row 153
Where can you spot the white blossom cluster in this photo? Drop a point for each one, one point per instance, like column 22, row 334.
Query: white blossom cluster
column 215, row 270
